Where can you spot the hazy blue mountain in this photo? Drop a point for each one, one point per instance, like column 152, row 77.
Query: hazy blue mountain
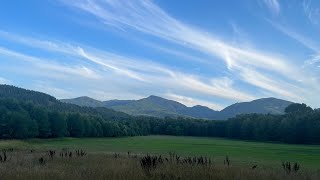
column 202, row 112
column 112, row 103
column 260, row 106
column 152, row 106
column 161, row 107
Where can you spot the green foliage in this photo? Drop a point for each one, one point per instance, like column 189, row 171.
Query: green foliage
column 41, row 117
column 58, row 124
column 298, row 108
column 76, row 126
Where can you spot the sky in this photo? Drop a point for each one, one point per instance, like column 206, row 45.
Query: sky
column 204, row 52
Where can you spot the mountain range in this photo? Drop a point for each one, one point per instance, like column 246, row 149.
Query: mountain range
column 161, row 107
column 151, row 106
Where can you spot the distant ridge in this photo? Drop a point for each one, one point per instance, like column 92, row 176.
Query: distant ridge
column 161, row 107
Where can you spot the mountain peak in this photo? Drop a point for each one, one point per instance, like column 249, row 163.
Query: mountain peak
column 85, row 97
column 199, row 106
column 154, row 97
column 269, row 99
column 84, row 101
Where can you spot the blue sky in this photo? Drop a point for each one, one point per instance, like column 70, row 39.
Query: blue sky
column 212, row 53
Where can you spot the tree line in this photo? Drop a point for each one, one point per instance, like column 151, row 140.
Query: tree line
column 22, row 120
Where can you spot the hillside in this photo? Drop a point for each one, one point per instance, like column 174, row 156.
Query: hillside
column 7, row 91
column 260, row 106
column 160, row 107
column 51, row 103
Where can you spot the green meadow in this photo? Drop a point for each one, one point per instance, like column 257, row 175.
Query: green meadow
column 240, row 152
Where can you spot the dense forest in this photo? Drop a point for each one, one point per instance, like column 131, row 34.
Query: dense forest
column 26, row 114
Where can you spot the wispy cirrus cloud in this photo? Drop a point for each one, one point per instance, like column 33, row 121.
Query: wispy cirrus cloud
column 273, row 5
column 309, row 43
column 69, row 49
column 148, row 18
column 44, row 86
column 279, row 87
column 99, row 61
column 4, row 81
column 312, row 12
column 50, row 68
column 189, row 101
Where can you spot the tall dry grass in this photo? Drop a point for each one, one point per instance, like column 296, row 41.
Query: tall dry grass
column 28, row 165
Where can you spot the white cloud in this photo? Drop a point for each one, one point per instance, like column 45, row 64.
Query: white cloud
column 59, row 93
column 283, row 89
column 33, row 42
column 273, row 5
column 107, row 95
column 48, row 67
column 4, row 81
column 213, row 89
column 189, row 101
column 103, row 63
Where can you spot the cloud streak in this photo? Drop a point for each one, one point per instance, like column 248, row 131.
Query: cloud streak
column 311, row 44
column 48, row 65
column 312, row 12
column 189, row 101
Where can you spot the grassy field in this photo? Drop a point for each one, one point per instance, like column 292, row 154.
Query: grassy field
column 240, row 152
column 193, row 158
